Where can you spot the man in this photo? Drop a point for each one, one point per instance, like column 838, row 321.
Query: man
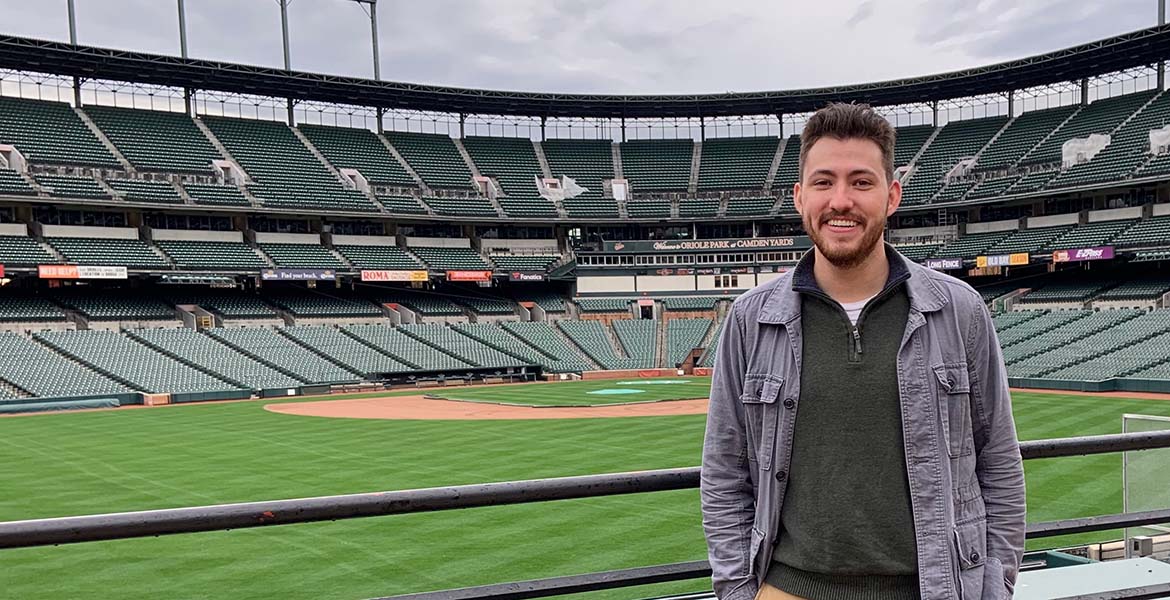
column 860, row 442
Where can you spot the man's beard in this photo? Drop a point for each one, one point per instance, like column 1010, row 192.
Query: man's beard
column 847, row 257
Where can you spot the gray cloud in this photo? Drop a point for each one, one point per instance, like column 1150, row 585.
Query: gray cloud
column 863, row 12
column 614, row 46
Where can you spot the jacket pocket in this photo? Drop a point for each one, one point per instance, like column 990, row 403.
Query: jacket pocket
column 954, row 408
column 970, row 545
column 759, row 402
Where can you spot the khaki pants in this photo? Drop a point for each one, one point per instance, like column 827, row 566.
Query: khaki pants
column 768, row 592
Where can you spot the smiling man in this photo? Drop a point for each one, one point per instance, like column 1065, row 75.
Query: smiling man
column 860, row 442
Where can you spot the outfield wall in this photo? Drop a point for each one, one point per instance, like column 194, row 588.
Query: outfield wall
column 1156, row 386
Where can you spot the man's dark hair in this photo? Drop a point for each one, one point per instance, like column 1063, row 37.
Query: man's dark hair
column 846, row 122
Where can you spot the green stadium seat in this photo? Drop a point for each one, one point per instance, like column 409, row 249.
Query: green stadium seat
column 156, row 140
column 133, row 362
column 736, row 163
column 209, row 354
column 51, row 133
column 360, row 149
column 43, row 372
column 657, row 165
column 434, row 157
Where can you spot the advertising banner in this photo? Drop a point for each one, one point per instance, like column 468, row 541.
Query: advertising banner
column 298, row 275
column 469, row 275
column 1002, row 260
column 522, row 276
column 798, row 242
column 394, row 276
column 943, row 264
column 1, row 270
column 80, row 272
column 1079, row 254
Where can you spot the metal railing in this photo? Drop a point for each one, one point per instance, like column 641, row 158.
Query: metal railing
column 68, row 530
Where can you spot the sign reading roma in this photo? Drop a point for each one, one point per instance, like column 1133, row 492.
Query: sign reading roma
column 394, row 276
column 1079, row 254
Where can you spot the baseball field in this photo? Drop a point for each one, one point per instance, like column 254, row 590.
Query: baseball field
column 145, row 458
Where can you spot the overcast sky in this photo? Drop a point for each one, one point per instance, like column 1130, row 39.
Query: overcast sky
column 614, row 46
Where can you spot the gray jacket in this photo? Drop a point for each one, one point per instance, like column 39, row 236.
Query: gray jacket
column 962, row 455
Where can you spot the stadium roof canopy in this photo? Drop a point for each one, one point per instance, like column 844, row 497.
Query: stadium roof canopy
column 1134, row 49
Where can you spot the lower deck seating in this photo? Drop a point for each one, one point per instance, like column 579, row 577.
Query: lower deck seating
column 683, row 335
column 212, row 355
column 591, row 337
column 334, row 343
column 266, row 344
column 142, row 367
column 42, row 372
column 543, row 337
column 467, row 349
column 491, row 334
column 639, row 338
column 408, row 348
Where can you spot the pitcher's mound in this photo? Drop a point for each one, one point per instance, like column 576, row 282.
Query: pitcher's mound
column 428, row 409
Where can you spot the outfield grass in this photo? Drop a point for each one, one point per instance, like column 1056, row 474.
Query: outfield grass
column 64, row 464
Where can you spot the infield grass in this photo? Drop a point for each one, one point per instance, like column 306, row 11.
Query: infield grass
column 109, row 461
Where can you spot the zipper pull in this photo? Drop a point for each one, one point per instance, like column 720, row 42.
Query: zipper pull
column 857, row 339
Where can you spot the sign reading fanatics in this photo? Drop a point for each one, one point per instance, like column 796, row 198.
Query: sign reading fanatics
column 469, row 275
column 394, row 276
column 1002, row 260
column 799, row 242
column 80, row 272
column 1079, row 254
column 521, row 276
column 298, row 275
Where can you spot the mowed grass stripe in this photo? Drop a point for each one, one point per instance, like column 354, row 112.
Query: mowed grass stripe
column 586, row 393
column 152, row 458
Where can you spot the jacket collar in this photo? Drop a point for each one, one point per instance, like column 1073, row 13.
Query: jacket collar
column 783, row 304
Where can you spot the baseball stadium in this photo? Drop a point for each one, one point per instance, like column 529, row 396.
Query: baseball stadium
column 268, row 333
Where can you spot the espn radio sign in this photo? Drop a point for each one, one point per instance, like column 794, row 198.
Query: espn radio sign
column 1079, row 254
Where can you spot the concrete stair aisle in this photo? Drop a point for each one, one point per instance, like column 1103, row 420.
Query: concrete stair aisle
column 775, row 166
column 660, row 344
column 405, row 165
column 618, row 171
column 471, row 166
column 101, row 136
column 572, row 344
column 14, row 391
column 1046, row 138
column 545, row 169
column 696, row 161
